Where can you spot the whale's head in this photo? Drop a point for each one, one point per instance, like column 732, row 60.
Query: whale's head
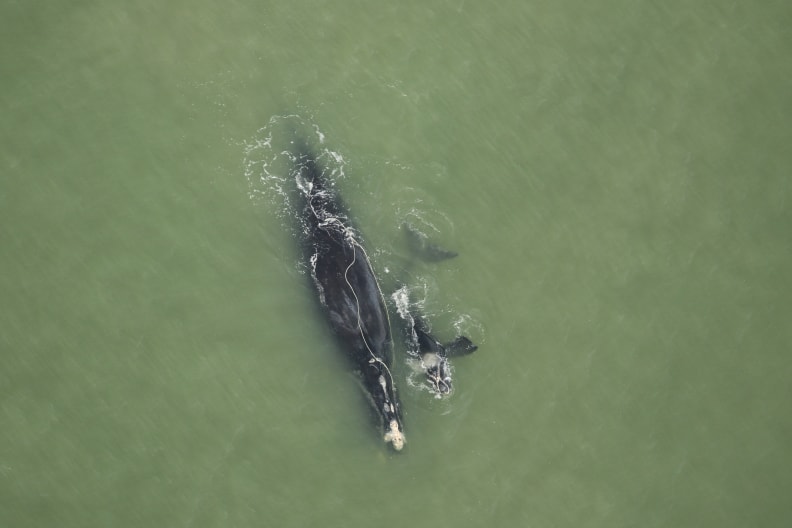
column 379, row 385
column 438, row 373
column 395, row 435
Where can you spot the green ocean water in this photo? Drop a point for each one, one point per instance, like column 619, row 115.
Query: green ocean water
column 616, row 178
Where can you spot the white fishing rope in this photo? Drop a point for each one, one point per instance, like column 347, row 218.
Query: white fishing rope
column 357, row 302
column 351, row 239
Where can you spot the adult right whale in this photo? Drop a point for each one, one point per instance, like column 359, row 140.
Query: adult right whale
column 348, row 291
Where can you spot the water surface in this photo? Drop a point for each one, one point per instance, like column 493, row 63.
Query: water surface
column 615, row 177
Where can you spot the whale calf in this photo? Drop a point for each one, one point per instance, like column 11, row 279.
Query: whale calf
column 434, row 354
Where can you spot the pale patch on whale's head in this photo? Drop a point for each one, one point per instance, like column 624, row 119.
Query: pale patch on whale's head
column 395, row 436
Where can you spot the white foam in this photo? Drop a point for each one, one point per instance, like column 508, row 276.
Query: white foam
column 269, row 165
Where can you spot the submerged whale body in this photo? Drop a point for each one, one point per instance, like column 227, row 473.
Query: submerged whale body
column 348, row 292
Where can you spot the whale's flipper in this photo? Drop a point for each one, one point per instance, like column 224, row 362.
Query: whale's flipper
column 420, row 245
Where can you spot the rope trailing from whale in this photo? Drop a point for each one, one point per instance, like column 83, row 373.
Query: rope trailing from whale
column 347, row 232
column 374, row 357
column 333, row 225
